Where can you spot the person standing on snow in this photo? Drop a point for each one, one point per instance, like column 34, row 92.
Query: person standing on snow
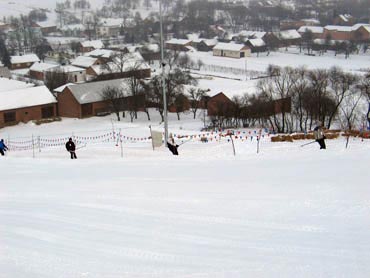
column 171, row 145
column 3, row 147
column 319, row 135
column 71, row 147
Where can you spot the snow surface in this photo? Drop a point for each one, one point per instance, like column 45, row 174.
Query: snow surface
column 285, row 212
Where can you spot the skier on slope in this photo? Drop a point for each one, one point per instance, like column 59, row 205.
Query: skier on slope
column 3, row 147
column 319, row 135
column 71, row 147
column 171, row 145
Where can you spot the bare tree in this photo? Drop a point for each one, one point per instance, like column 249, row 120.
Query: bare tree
column 195, row 97
column 114, row 96
column 55, row 79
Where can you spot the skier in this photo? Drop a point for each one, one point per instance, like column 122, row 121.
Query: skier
column 171, row 145
column 319, row 135
column 71, row 147
column 3, row 147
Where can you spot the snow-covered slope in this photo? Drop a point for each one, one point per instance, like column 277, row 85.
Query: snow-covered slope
column 288, row 211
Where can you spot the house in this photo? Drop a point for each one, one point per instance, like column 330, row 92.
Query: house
column 103, row 54
column 26, row 104
column 150, row 52
column 344, row 20
column 73, row 30
column 86, row 100
column 296, row 24
column 289, row 37
column 256, row 45
column 219, row 105
column 86, row 62
column 37, row 71
column 231, row 50
column 109, row 27
column 87, row 46
column 204, row 45
column 357, row 32
column 23, row 61
column 316, row 31
column 131, row 64
column 178, row 44
column 45, row 27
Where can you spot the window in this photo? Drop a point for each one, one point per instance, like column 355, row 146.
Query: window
column 242, row 54
column 75, row 78
column 47, row 112
column 9, row 117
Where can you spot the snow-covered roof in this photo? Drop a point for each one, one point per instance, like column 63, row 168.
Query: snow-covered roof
column 131, row 61
column 46, row 24
column 178, row 41
column 61, row 88
column 257, row 42
column 41, row 67
column 311, row 20
column 252, row 34
column 289, row 35
column 153, row 47
column 71, row 27
column 345, row 17
column 97, row 44
column 84, row 61
column 11, row 85
column 92, row 92
column 229, row 46
column 26, row 97
column 70, row 68
column 111, row 22
column 313, row 29
column 104, row 53
column 28, row 58
column 358, row 25
column 338, row 28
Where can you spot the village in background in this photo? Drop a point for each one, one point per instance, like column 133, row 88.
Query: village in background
column 246, row 64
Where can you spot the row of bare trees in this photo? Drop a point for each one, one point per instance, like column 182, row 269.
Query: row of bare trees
column 293, row 99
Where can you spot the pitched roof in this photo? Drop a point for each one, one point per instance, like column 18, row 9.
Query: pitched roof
column 178, row 41
column 92, row 92
column 104, row 53
column 229, row 46
column 12, row 85
column 289, row 35
column 27, row 97
column 41, row 67
column 28, row 58
column 97, row 44
column 84, row 61
column 313, row 29
column 257, row 42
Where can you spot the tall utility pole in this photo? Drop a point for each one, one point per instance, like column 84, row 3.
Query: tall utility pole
column 163, row 76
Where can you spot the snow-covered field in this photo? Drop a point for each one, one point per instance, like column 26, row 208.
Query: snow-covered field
column 356, row 63
column 288, row 211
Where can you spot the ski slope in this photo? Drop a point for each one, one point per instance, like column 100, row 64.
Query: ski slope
column 288, row 211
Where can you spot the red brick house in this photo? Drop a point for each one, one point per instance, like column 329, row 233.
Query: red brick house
column 178, row 44
column 27, row 104
column 219, row 105
column 37, row 71
column 23, row 61
column 45, row 27
column 88, row 46
column 344, row 20
column 85, row 100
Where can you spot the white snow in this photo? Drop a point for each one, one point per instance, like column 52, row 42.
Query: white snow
column 11, row 85
column 285, row 212
column 84, row 61
column 27, row 58
column 41, row 67
column 97, row 44
column 26, row 97
column 313, row 29
column 229, row 46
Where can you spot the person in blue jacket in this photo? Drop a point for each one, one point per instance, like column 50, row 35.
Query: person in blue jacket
column 3, row 147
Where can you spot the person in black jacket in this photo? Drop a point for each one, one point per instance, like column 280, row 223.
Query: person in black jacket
column 71, row 147
column 171, row 145
column 319, row 135
column 3, row 147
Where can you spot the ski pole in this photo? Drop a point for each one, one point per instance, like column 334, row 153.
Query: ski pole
column 308, row 143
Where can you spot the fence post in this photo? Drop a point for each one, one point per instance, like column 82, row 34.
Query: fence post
column 39, row 143
column 33, row 147
column 120, row 140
